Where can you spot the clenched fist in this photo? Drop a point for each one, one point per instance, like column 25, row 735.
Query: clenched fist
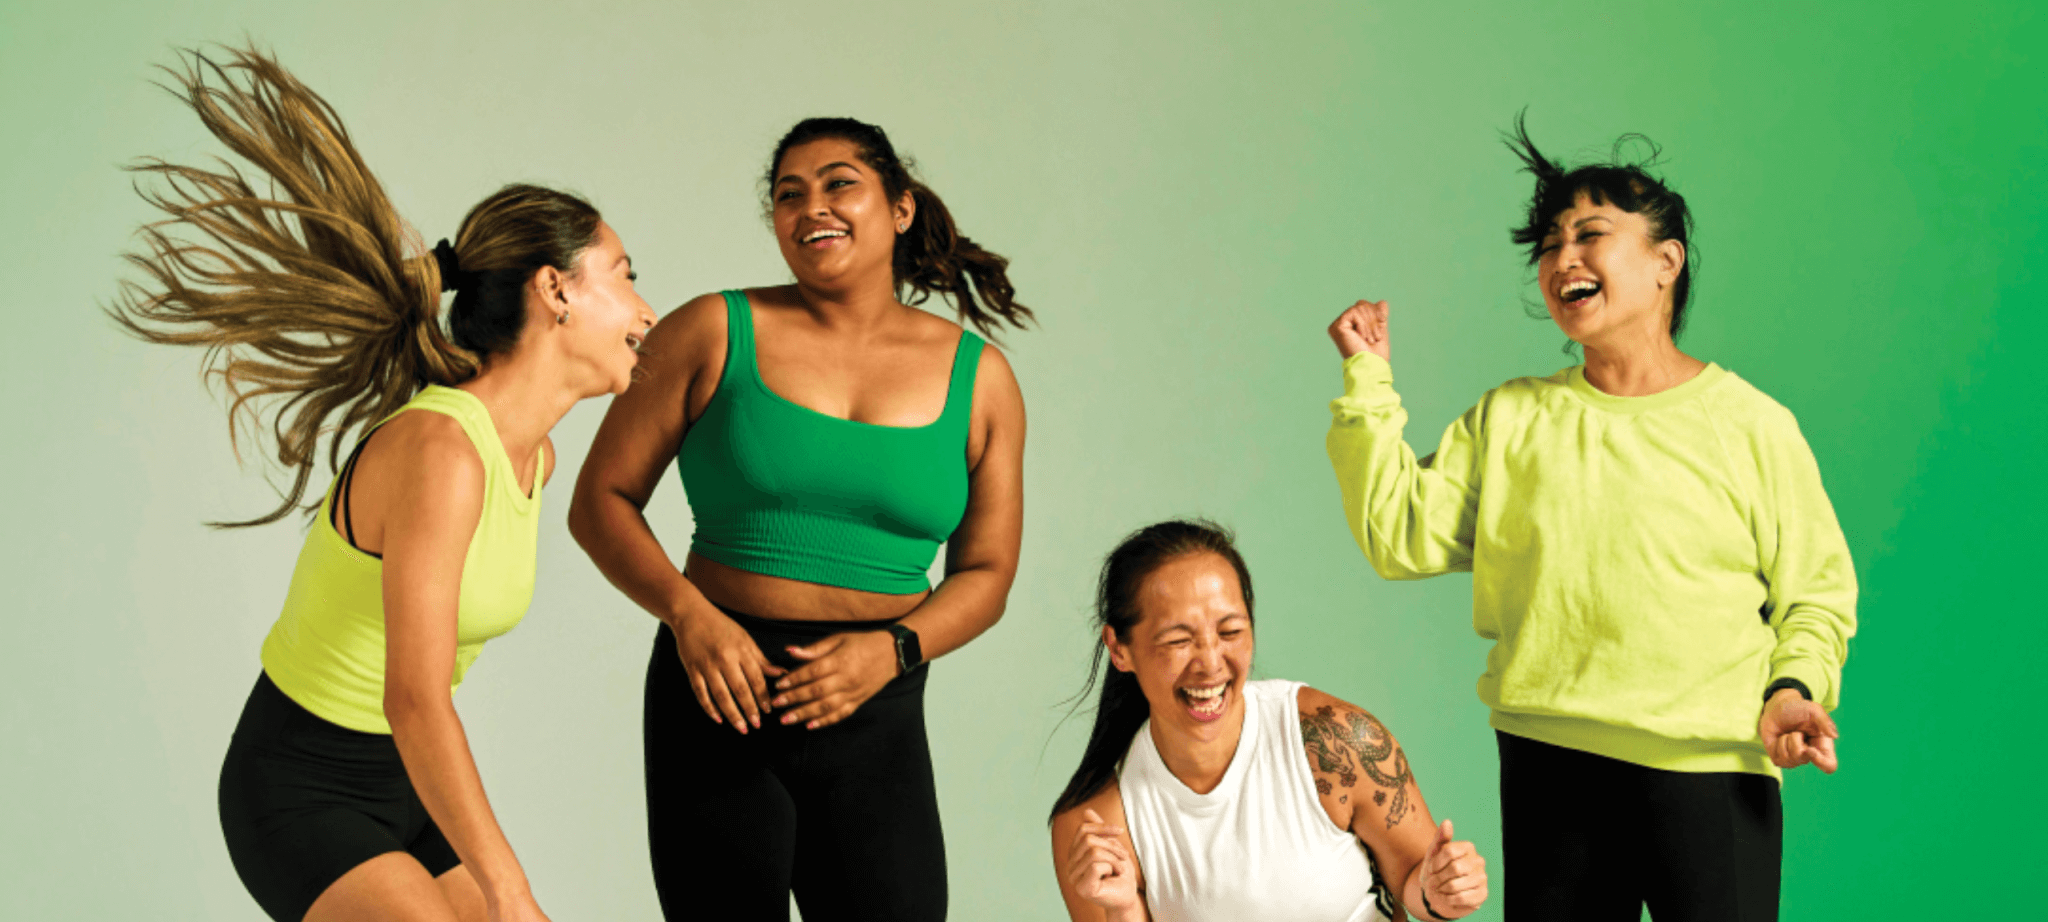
column 1362, row 328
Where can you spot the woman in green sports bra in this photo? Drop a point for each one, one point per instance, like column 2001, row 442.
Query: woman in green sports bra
column 830, row 438
column 348, row 791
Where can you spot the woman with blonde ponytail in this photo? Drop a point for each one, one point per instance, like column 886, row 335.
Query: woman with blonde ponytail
column 349, row 791
column 831, row 437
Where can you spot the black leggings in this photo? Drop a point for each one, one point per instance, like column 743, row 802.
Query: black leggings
column 845, row 816
column 1586, row 837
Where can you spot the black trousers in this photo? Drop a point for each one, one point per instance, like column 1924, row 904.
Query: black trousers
column 1589, row 838
column 845, row 816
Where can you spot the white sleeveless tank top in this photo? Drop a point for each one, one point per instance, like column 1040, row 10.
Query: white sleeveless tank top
column 1258, row 848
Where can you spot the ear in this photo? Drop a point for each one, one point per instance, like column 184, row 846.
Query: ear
column 1671, row 255
column 905, row 210
column 551, row 286
column 1119, row 655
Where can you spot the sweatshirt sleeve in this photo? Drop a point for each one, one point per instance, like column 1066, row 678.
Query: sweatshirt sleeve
column 1811, row 581
column 1412, row 517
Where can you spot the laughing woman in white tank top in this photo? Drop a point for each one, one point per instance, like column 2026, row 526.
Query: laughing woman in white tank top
column 1206, row 797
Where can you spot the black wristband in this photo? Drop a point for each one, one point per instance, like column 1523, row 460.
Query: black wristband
column 1791, row 683
column 1426, row 908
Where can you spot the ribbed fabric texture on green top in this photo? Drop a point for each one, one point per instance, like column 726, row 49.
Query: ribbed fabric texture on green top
column 326, row 651
column 783, row 490
column 1645, row 565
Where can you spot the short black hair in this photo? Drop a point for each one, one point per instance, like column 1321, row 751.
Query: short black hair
column 1627, row 185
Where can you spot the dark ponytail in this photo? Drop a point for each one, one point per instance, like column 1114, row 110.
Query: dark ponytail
column 932, row 256
column 1627, row 185
column 1123, row 708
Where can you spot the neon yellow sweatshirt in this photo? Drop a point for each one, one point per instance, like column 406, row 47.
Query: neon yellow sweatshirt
column 1646, row 566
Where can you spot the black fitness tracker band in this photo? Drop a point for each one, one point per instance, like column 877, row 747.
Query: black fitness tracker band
column 1791, row 683
column 908, row 653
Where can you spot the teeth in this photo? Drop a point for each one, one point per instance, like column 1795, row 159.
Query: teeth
column 1575, row 290
column 1210, row 692
column 822, row 234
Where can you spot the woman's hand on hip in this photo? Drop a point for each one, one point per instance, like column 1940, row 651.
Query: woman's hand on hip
column 728, row 671
column 1362, row 328
column 1797, row 731
column 1099, row 869
column 839, row 674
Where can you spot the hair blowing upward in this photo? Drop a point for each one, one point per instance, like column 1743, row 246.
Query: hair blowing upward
column 316, row 300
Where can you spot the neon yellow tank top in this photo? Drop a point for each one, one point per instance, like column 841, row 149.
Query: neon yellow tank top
column 326, row 651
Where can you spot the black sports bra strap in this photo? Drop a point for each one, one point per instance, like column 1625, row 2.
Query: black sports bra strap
column 340, row 506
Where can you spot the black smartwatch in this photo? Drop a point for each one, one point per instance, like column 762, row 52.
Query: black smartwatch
column 908, row 653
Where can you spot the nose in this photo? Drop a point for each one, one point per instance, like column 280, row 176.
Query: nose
column 1209, row 654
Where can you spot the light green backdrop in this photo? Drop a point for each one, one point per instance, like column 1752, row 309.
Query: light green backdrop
column 1188, row 195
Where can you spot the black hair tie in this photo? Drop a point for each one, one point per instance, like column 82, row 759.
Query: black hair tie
column 451, row 265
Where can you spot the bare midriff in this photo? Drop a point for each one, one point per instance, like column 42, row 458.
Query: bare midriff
column 792, row 599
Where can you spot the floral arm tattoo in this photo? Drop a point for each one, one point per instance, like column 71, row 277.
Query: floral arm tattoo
column 1358, row 742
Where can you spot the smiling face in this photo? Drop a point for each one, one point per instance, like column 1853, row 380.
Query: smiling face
column 607, row 317
column 833, row 219
column 1605, row 277
column 1191, row 649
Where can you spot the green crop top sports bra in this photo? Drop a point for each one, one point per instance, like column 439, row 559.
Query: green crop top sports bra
column 783, row 490
column 326, row 651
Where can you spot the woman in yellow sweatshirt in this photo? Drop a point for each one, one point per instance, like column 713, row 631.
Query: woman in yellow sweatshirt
column 1668, row 591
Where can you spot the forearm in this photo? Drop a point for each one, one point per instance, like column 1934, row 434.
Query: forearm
column 1410, row 519
column 615, row 533
column 965, row 604
column 437, row 759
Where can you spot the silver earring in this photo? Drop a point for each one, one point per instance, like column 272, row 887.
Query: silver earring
column 900, row 228
column 562, row 318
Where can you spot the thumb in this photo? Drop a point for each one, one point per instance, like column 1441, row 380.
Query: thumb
column 1443, row 834
column 818, row 649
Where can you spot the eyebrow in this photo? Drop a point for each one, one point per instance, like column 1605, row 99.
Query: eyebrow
column 625, row 258
column 827, row 168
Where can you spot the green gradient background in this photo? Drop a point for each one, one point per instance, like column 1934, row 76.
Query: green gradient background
column 1188, row 196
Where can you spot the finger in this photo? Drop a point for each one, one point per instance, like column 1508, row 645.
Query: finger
column 1825, row 723
column 1464, row 883
column 1824, row 756
column 721, row 696
column 704, row 697
column 743, row 693
column 1444, row 832
column 1115, row 846
column 817, row 650
column 822, row 703
column 843, row 711
column 757, row 683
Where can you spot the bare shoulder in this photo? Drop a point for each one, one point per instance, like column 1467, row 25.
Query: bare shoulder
column 699, row 322
column 426, row 442
column 1107, row 803
column 1349, row 749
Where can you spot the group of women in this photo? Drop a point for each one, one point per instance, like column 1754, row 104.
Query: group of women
column 1653, row 555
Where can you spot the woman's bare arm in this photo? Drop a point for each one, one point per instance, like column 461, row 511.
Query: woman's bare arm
column 639, row 437
column 1097, row 865
column 1366, row 786
column 431, row 472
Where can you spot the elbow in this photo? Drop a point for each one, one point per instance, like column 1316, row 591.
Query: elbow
column 407, row 707
column 585, row 520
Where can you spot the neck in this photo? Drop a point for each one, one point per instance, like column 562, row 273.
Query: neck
column 1638, row 365
column 526, row 394
column 857, row 307
column 1200, row 761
